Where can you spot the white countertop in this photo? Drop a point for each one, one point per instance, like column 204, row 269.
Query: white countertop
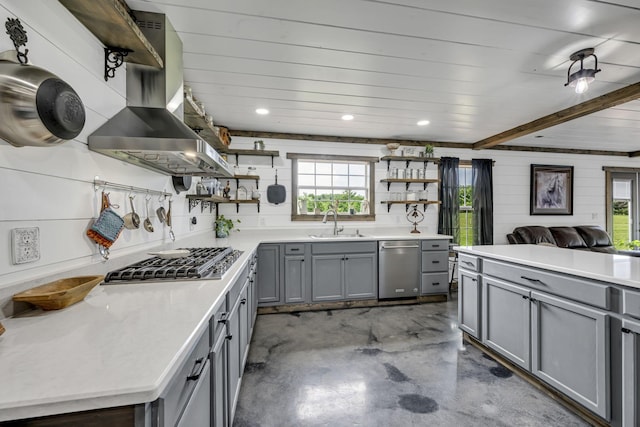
column 617, row 269
column 123, row 343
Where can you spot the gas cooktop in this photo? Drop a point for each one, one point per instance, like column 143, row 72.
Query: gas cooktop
column 201, row 263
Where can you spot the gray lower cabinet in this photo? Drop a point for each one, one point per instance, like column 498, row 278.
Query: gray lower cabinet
column 327, row 282
column 294, row 279
column 360, row 276
column 506, row 320
column 434, row 267
column 469, row 302
column 630, row 373
column 233, row 361
column 570, row 350
column 181, row 402
column 219, row 382
column 244, row 325
column 269, row 274
column 339, row 277
column 197, row 412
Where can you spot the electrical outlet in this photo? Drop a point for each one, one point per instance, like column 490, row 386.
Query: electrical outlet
column 25, row 244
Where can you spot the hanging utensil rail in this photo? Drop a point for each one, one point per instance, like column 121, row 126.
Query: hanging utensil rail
column 98, row 183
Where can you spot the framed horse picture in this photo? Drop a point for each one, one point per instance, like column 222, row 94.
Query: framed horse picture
column 551, row 191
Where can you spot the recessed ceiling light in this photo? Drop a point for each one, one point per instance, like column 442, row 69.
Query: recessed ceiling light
column 262, row 111
column 347, row 117
column 423, row 122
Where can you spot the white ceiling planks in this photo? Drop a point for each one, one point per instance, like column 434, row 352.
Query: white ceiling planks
column 474, row 69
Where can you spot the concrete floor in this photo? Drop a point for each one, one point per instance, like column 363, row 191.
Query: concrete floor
column 383, row 366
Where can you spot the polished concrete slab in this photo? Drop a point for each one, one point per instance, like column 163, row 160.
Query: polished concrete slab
column 382, row 366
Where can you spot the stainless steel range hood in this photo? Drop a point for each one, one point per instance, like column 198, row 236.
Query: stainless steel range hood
column 150, row 132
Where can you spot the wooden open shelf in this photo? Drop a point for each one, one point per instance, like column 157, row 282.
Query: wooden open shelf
column 111, row 22
column 265, row 153
column 407, row 203
column 409, row 159
column 408, row 181
column 195, row 120
column 209, row 201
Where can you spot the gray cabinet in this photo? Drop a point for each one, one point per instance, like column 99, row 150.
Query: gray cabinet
column 469, row 300
column 219, row 414
column 360, row 276
column 630, row 373
column 294, row 279
column 570, row 350
column 327, row 282
column 233, row 361
column 187, row 390
column 344, row 271
column 269, row 274
column 506, row 324
column 434, row 267
column 244, row 325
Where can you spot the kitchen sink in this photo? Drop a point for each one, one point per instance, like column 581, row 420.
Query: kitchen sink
column 336, row 236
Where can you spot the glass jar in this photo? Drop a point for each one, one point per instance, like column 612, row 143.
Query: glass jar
column 251, row 170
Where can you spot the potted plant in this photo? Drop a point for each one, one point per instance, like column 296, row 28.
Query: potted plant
column 428, row 150
column 224, row 225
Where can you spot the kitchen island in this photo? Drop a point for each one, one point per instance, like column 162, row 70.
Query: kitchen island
column 124, row 344
column 569, row 319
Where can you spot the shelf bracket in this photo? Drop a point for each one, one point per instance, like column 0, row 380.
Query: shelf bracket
column 388, row 186
column 388, row 207
column 193, row 203
column 113, row 58
column 18, row 36
column 407, row 186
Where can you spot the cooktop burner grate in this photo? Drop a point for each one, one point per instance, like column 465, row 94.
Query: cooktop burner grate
column 201, row 263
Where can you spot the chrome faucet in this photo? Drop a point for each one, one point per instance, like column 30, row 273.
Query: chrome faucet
column 336, row 230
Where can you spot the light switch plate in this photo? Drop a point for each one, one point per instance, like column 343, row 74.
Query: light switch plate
column 25, row 244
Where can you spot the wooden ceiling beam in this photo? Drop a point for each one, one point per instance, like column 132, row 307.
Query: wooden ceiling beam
column 347, row 139
column 608, row 100
column 411, row 142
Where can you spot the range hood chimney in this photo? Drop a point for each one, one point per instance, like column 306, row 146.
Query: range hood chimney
column 149, row 132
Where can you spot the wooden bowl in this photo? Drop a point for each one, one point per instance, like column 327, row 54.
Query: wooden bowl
column 59, row 294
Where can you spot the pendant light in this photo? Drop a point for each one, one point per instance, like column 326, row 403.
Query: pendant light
column 580, row 79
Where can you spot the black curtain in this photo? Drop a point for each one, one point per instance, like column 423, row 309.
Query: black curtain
column 448, row 215
column 482, row 201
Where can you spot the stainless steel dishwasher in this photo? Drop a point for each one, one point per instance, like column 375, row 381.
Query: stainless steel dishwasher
column 398, row 268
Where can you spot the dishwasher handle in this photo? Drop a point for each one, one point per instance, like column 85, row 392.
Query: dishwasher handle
column 399, row 247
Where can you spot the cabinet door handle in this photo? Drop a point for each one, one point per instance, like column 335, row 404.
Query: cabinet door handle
column 533, row 280
column 435, row 283
column 525, row 297
column 626, row 331
column 223, row 318
column 295, row 249
column 243, row 301
column 229, row 337
column 435, row 262
column 192, row 376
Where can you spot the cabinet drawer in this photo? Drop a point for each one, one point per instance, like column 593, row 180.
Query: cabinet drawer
column 344, row 248
column 434, row 283
column 218, row 321
column 577, row 289
column 237, row 287
column 631, row 303
column 468, row 262
column 294, row 248
column 177, row 393
column 435, row 245
column 435, row 261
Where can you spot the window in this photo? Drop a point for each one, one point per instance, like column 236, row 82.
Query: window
column 465, row 200
column 622, row 206
column 321, row 182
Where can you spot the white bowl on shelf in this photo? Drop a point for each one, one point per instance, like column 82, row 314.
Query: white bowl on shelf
column 392, row 147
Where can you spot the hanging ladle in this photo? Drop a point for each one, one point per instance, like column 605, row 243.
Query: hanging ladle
column 147, row 222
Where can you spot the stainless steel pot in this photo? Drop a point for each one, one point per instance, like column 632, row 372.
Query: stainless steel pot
column 37, row 108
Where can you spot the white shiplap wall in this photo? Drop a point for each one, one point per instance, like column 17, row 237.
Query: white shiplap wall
column 50, row 188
